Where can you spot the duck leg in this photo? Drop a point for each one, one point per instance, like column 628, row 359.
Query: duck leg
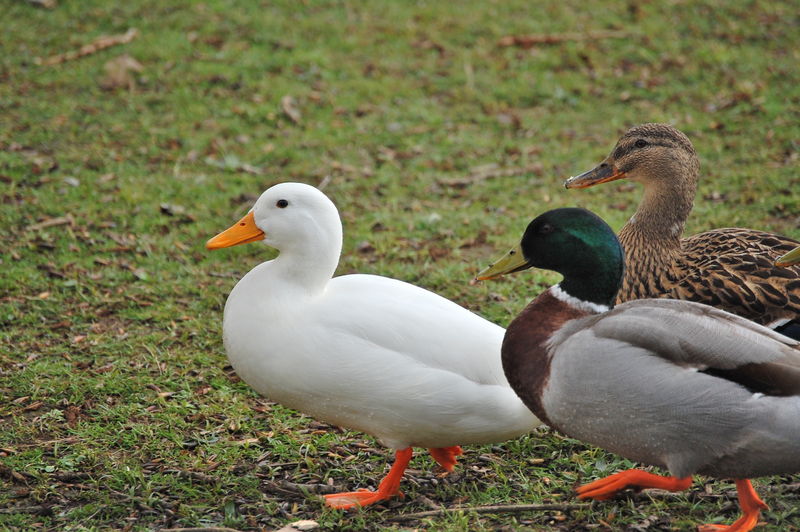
column 388, row 488
column 751, row 506
column 607, row 487
column 446, row 456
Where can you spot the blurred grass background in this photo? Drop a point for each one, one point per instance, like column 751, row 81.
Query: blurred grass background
column 437, row 140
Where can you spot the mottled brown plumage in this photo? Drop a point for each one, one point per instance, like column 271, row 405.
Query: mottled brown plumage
column 732, row 269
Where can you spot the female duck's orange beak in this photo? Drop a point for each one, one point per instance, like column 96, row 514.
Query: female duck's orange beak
column 600, row 174
column 242, row 232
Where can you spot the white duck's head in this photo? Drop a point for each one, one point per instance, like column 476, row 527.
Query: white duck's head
column 296, row 219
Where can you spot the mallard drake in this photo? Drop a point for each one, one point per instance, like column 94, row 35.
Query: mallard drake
column 732, row 269
column 790, row 259
column 365, row 352
column 676, row 384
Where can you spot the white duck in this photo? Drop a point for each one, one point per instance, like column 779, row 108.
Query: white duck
column 361, row 351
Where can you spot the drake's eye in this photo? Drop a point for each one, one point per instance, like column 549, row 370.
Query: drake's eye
column 545, row 229
column 640, row 143
column 282, row 204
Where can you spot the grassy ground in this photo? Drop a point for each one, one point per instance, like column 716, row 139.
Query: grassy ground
column 437, row 144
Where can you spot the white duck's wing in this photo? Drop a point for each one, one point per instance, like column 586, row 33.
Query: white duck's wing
column 393, row 360
column 417, row 324
column 666, row 382
column 404, row 402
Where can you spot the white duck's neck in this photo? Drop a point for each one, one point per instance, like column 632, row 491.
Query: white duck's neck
column 309, row 261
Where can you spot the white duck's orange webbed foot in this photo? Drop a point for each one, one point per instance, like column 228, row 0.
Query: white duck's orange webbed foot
column 446, row 456
column 751, row 506
column 352, row 499
column 607, row 487
column 388, row 488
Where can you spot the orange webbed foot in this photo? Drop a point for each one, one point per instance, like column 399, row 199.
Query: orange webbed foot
column 607, row 487
column 751, row 506
column 353, row 499
column 388, row 488
column 446, row 456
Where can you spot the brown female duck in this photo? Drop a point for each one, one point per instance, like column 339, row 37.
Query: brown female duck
column 732, row 269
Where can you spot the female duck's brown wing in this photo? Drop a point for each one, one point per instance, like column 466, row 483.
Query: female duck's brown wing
column 734, row 269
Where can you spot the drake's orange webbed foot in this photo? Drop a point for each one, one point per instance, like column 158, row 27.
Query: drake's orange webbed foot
column 388, row 488
column 751, row 506
column 446, row 456
column 607, row 487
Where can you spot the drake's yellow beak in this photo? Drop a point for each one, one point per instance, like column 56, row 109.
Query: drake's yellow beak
column 511, row 262
column 790, row 259
column 244, row 231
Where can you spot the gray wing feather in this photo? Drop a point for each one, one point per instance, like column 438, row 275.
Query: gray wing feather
column 626, row 380
column 693, row 334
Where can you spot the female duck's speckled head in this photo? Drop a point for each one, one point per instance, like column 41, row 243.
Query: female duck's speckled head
column 649, row 153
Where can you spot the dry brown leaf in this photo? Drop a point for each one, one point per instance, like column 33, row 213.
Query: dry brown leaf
column 304, row 525
column 289, row 106
column 245, row 441
column 72, row 414
column 47, row 4
column 119, row 73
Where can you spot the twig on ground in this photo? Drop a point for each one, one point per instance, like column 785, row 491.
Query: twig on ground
column 39, row 509
column 69, row 476
column 325, row 182
column 47, row 443
column 47, row 4
column 503, row 508
column 529, row 41
column 194, row 475
column 52, row 222
column 103, row 42
column 490, row 172
column 208, row 529
column 226, row 275
column 300, row 488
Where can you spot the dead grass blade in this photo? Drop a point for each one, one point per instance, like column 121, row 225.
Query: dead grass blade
column 52, row 222
column 529, row 41
column 493, row 509
column 490, row 172
column 103, row 42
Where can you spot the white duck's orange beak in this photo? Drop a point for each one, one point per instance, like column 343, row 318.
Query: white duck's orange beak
column 243, row 232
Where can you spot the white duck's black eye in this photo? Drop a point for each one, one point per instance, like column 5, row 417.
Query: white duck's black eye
column 282, row 204
column 640, row 143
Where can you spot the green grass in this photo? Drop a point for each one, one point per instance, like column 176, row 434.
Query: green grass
column 120, row 411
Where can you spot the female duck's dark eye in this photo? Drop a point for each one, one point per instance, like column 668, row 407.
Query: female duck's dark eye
column 282, row 204
column 640, row 143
